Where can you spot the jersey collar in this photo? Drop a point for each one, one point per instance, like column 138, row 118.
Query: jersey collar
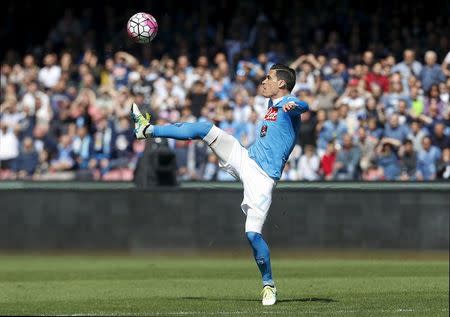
column 276, row 102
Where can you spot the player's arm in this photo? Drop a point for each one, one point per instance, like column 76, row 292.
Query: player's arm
column 296, row 107
column 129, row 59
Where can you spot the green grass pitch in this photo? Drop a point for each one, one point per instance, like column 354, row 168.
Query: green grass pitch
column 221, row 286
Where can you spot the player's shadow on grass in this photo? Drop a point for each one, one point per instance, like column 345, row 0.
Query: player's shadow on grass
column 287, row 300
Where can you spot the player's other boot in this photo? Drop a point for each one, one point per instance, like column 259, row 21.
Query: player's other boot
column 140, row 122
column 269, row 295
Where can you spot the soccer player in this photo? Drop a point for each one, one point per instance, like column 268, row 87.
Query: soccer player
column 258, row 168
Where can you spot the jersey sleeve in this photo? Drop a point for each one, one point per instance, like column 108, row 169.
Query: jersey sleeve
column 301, row 107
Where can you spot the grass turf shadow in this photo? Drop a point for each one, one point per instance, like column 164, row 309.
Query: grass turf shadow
column 287, row 300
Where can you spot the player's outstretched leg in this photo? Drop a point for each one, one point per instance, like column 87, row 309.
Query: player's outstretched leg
column 262, row 258
column 179, row 131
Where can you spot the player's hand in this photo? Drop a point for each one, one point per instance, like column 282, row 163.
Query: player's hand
column 289, row 106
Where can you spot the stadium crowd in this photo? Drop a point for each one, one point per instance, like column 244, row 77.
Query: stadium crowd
column 375, row 115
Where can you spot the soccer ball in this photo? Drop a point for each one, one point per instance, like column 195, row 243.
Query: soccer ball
column 142, row 27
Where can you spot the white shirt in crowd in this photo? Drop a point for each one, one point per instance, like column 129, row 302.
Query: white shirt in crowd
column 49, row 76
column 9, row 145
column 308, row 167
column 12, row 119
column 355, row 104
column 447, row 58
column 44, row 113
column 242, row 113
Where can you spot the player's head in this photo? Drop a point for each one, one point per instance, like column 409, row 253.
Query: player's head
column 279, row 81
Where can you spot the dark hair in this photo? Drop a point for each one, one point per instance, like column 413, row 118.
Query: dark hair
column 285, row 73
column 407, row 141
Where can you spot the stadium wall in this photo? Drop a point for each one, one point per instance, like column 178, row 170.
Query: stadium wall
column 209, row 218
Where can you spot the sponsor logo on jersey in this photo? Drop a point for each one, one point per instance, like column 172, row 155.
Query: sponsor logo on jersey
column 272, row 114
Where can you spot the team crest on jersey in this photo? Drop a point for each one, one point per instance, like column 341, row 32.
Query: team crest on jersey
column 272, row 114
column 263, row 131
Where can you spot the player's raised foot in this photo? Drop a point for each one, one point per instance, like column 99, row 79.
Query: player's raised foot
column 140, row 122
column 269, row 295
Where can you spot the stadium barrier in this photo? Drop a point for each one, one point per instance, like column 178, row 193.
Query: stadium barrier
column 70, row 216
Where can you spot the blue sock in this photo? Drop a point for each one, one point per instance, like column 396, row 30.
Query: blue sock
column 262, row 256
column 180, row 131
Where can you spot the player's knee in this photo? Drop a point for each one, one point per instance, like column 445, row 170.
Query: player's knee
column 252, row 237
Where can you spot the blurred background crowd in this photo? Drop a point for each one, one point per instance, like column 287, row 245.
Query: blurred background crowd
column 377, row 80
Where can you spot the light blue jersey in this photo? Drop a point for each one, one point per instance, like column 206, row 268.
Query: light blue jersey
column 277, row 137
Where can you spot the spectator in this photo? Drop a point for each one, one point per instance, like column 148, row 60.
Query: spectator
column 327, row 162
column 333, row 129
column 372, row 110
column 387, row 160
column 394, row 130
column 183, row 151
column 350, row 119
column 346, row 165
column 82, row 147
column 352, row 98
column 307, row 130
column 366, row 144
column 308, row 165
column 404, row 116
column 51, row 72
column 432, row 117
column 30, row 69
column 444, row 94
column 306, row 77
column 241, row 109
column 289, row 173
column 338, row 77
column 211, row 169
column 9, row 146
column 122, row 148
column 196, row 98
column 376, row 77
column 326, row 96
column 243, row 83
column 373, row 129
column 230, row 125
column 446, row 65
column 123, row 62
column 395, row 93
column 9, row 114
column 416, row 134
column 321, row 118
column 373, row 173
column 438, row 137
column 103, row 140
column 443, row 166
column 431, row 73
column 44, row 140
column 409, row 66
column 417, row 101
column 408, row 161
column 64, row 157
column 26, row 123
column 27, row 161
column 250, row 130
column 43, row 166
column 30, row 100
column 434, row 98
column 62, row 122
column 427, row 159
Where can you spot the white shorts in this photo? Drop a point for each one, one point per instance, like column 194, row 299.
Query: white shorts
column 258, row 186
